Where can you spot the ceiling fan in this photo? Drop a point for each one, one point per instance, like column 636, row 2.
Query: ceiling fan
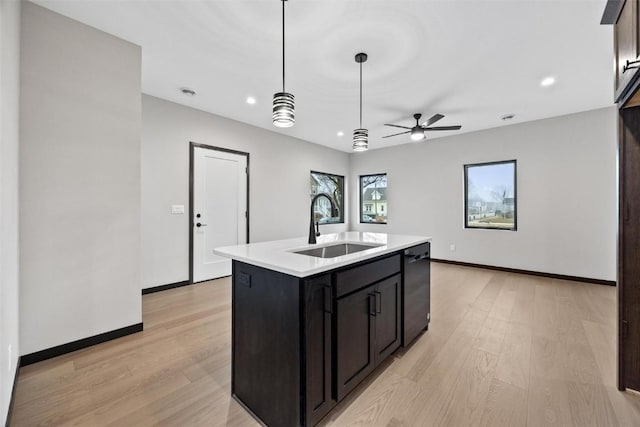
column 417, row 132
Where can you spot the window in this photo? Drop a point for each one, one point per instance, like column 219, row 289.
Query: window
column 490, row 195
column 373, row 199
column 333, row 185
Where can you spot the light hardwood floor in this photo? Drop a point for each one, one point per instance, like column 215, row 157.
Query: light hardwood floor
column 502, row 350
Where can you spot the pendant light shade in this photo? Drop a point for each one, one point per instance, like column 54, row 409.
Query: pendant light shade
column 283, row 110
column 361, row 135
column 284, row 115
column 360, row 140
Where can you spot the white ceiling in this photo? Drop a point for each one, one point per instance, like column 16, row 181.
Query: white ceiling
column 472, row 61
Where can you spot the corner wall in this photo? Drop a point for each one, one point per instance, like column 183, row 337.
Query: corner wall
column 567, row 201
column 79, row 181
column 9, row 127
column 278, row 182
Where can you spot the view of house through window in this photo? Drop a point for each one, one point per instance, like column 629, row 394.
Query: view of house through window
column 373, row 198
column 490, row 195
column 333, row 185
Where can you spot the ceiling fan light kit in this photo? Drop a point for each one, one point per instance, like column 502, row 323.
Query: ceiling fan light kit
column 417, row 132
column 283, row 102
column 361, row 135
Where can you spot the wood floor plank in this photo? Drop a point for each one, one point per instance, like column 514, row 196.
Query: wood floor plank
column 546, row 359
column 506, row 406
column 515, row 358
column 625, row 405
column 385, row 397
column 545, row 311
column 548, row 403
column 522, row 311
column 467, row 401
column 505, row 300
column 491, row 335
column 590, row 405
column 602, row 340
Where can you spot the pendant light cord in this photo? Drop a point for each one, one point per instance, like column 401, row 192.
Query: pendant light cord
column 361, row 95
column 283, row 45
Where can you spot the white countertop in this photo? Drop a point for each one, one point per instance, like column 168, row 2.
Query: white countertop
column 278, row 255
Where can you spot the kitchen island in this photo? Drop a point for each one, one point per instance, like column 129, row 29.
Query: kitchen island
column 311, row 321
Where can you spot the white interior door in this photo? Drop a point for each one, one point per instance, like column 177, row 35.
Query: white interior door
column 219, row 209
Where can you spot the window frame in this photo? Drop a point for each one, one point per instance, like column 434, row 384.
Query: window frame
column 342, row 204
column 361, row 204
column 515, row 195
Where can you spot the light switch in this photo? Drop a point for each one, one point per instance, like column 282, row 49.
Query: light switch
column 177, row 209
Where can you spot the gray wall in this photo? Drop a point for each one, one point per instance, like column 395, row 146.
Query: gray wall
column 9, row 125
column 566, row 194
column 279, row 182
column 79, row 181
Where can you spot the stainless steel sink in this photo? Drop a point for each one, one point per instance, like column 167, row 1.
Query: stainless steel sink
column 335, row 250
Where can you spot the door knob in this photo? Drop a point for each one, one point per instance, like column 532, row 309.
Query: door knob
column 198, row 224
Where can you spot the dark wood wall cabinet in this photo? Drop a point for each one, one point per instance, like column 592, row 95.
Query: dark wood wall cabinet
column 300, row 345
column 625, row 16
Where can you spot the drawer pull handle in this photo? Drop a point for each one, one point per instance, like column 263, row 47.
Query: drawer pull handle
column 372, row 305
column 328, row 299
column 630, row 64
column 378, row 302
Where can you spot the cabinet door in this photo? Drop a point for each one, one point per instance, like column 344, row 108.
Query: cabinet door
column 387, row 317
column 628, row 244
column 318, row 308
column 626, row 45
column 355, row 340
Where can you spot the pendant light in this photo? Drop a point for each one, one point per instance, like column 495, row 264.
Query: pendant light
column 283, row 102
column 360, row 135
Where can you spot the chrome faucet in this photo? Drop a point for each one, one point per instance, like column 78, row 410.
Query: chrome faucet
column 313, row 233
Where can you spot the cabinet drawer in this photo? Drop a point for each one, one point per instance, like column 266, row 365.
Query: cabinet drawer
column 355, row 278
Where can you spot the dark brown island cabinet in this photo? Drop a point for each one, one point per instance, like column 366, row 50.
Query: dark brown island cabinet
column 300, row 345
column 625, row 18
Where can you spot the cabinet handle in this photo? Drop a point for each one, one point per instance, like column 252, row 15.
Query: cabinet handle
column 328, row 299
column 630, row 64
column 372, row 305
column 626, row 215
column 378, row 302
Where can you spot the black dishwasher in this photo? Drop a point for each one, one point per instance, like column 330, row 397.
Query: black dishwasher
column 416, row 293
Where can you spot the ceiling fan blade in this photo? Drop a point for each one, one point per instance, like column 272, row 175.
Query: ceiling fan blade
column 397, row 126
column 396, row 134
column 444, row 128
column 432, row 120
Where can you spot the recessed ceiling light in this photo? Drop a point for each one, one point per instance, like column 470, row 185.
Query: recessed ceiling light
column 547, row 81
column 340, row 133
column 508, row 116
column 251, row 100
column 187, row 91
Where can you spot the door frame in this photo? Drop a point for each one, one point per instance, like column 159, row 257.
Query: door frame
column 192, row 147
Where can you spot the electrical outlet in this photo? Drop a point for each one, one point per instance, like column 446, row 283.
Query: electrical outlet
column 452, row 247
